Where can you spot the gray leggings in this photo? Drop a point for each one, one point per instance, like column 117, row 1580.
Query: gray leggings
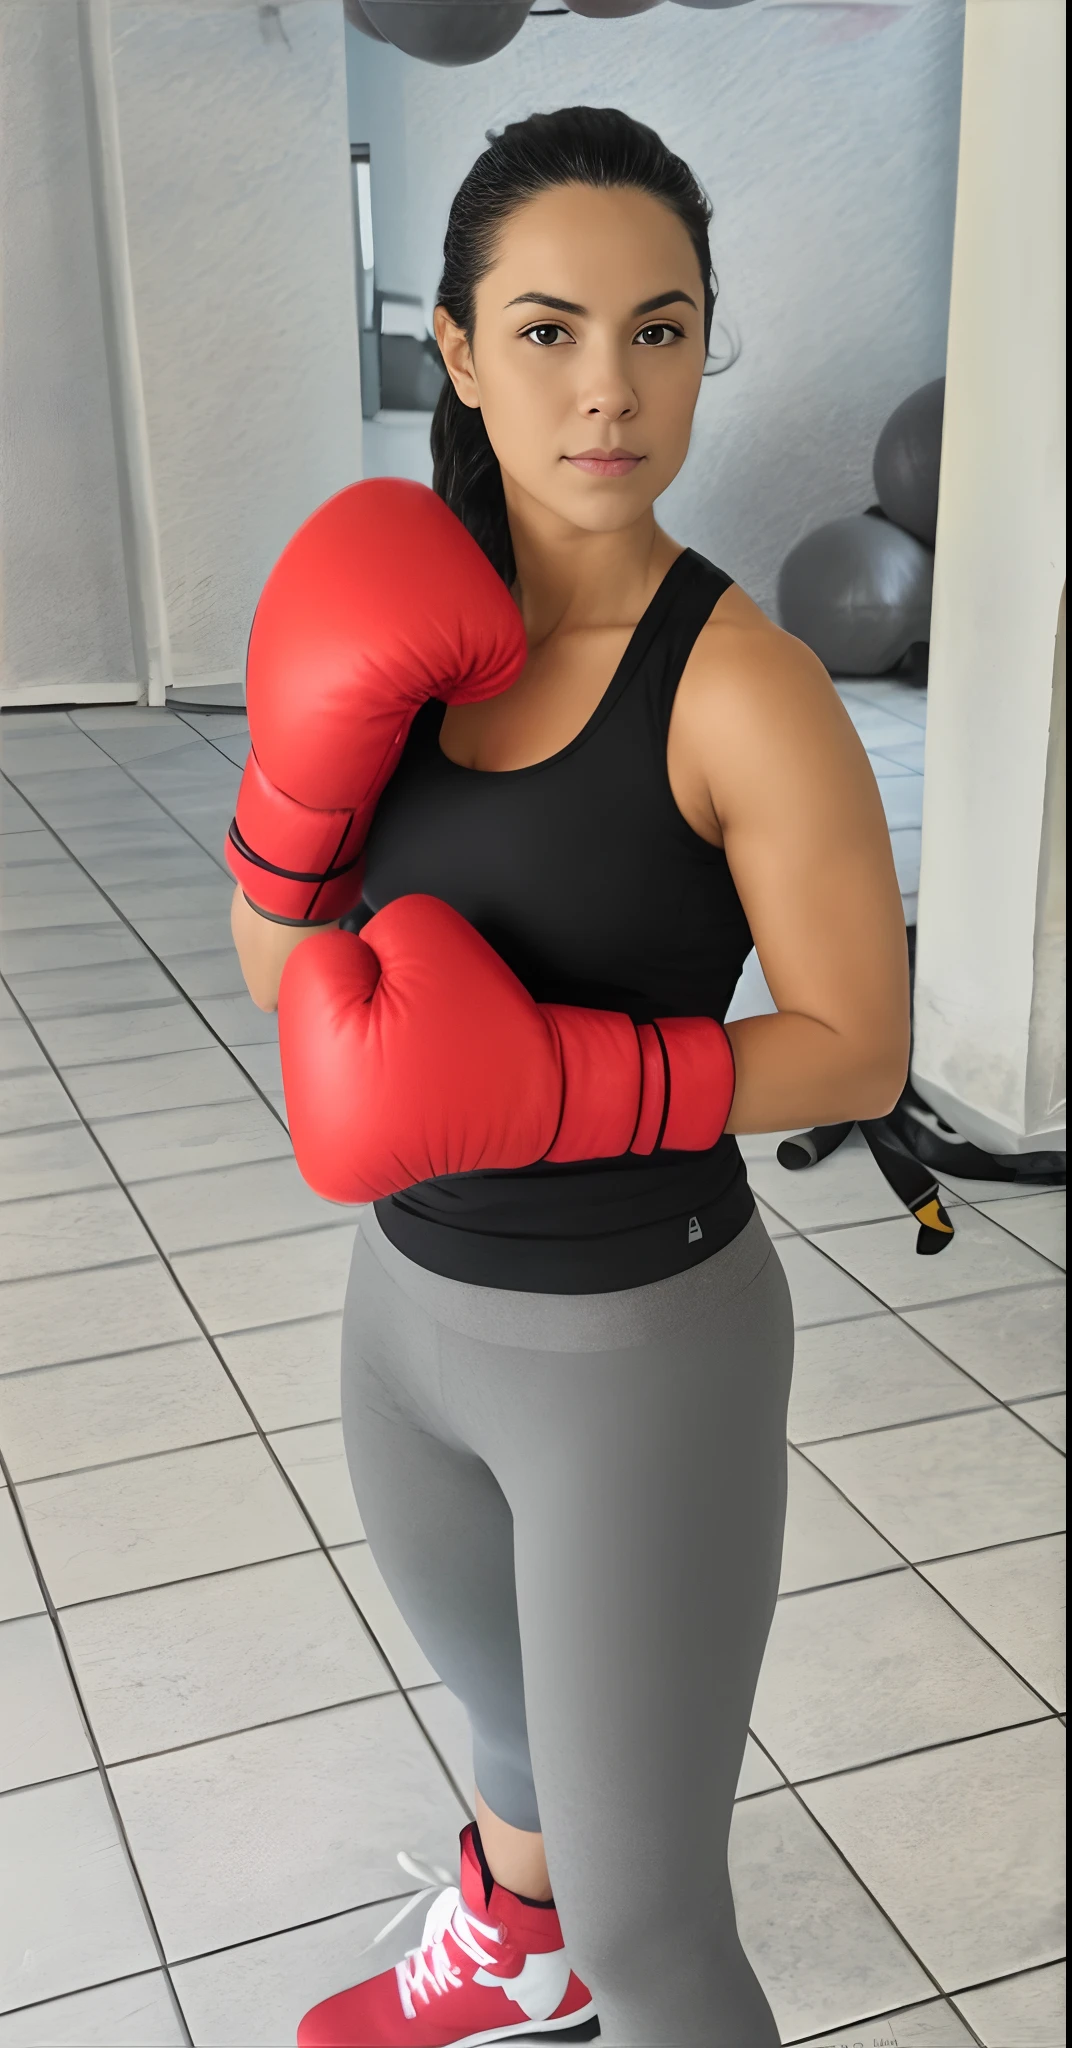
column 578, row 1503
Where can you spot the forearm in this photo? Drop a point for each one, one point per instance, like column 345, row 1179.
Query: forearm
column 264, row 948
column 793, row 1073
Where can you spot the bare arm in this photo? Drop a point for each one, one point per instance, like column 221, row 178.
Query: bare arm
column 809, row 849
column 264, row 947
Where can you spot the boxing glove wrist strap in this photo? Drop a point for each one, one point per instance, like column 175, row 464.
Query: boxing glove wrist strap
column 301, row 924
column 666, row 1086
column 322, row 880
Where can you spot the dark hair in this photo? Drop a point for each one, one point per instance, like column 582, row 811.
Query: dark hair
column 596, row 146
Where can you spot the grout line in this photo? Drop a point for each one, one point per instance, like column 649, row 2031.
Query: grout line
column 242, row 1728
column 193, row 1251
column 141, row 1059
column 908, row 1564
column 1006, row 1402
column 382, row 1692
column 12, row 2012
column 105, row 1357
column 136, row 1008
column 208, row 1443
column 298, row 1927
column 166, row 1344
column 899, row 1756
column 848, row 1436
column 1036, row 1428
column 73, row 1272
column 874, row 2019
column 237, row 1244
column 66, row 1123
column 991, row 1401
column 1006, row 1977
column 217, row 1571
column 130, row 1116
column 88, row 1770
column 1030, row 1191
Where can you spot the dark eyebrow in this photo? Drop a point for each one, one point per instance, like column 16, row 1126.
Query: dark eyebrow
column 544, row 299
column 664, row 299
column 567, row 305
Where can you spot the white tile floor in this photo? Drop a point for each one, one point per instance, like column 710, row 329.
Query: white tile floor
column 215, row 1729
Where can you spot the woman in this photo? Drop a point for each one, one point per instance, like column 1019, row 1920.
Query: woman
column 565, row 1385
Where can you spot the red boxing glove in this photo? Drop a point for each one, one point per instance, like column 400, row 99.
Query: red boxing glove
column 412, row 1050
column 380, row 601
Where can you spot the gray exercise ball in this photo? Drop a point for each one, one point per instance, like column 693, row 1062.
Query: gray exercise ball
column 448, row 32
column 712, row 5
column 356, row 16
column 610, row 10
column 858, row 593
column 907, row 461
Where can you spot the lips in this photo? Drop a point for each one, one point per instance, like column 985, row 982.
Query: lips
column 605, row 461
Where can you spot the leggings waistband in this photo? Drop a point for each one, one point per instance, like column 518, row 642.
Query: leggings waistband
column 577, row 1322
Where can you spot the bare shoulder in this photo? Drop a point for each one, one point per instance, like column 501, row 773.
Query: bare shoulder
column 757, row 711
column 742, row 656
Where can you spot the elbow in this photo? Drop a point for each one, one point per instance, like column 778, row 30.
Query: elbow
column 881, row 1092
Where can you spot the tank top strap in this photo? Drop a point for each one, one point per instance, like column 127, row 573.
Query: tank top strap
column 690, row 591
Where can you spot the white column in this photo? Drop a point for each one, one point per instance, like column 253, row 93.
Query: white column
column 989, row 995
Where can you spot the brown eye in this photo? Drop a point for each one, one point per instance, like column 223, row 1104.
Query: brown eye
column 544, row 334
column 654, row 335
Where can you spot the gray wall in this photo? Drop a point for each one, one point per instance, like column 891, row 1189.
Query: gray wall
column 827, row 139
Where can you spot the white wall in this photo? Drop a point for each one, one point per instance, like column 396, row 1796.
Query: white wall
column 233, row 152
column 827, row 139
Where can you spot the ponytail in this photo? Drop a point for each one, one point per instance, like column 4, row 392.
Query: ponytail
column 466, row 475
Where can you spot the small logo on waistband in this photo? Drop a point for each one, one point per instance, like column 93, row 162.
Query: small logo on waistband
column 695, row 1233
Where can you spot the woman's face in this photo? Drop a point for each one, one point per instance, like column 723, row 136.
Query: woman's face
column 588, row 342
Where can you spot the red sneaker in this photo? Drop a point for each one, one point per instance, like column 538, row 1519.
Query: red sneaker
column 484, row 1971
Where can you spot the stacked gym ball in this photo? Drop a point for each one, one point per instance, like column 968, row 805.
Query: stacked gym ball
column 858, row 591
column 466, row 31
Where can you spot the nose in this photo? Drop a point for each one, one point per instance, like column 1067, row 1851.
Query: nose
column 604, row 386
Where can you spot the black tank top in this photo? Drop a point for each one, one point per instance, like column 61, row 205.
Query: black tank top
column 586, row 879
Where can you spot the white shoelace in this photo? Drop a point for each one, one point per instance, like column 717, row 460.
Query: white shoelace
column 429, row 1966
column 432, row 1876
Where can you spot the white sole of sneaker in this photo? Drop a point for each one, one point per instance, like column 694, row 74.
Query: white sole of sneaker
column 528, row 2028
